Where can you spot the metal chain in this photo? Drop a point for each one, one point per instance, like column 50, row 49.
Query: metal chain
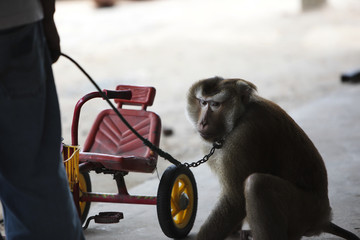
column 216, row 145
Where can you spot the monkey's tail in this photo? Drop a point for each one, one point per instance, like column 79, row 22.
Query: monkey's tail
column 340, row 232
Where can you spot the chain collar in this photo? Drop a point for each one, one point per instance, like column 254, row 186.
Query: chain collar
column 216, row 145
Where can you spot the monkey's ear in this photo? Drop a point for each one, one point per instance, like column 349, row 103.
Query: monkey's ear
column 245, row 89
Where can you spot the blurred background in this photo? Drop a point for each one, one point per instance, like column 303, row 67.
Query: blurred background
column 293, row 50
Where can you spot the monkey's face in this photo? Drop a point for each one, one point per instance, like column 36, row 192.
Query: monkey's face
column 207, row 110
column 216, row 104
column 211, row 123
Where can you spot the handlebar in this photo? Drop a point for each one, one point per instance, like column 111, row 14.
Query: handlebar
column 118, row 94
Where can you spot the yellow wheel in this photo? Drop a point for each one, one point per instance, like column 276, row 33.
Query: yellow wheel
column 84, row 186
column 177, row 201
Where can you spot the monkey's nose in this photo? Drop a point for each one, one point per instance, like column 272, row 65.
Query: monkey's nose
column 203, row 123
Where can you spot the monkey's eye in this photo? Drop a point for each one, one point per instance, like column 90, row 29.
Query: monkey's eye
column 202, row 102
column 215, row 104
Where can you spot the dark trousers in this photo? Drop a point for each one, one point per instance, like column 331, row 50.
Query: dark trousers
column 34, row 190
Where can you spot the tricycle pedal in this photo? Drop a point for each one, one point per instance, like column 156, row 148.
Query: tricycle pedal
column 105, row 217
column 109, row 217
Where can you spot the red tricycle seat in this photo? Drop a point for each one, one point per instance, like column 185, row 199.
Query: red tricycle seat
column 112, row 144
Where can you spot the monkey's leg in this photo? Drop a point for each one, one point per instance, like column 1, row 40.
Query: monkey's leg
column 276, row 209
column 222, row 221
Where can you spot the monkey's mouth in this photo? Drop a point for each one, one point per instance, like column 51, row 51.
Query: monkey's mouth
column 207, row 136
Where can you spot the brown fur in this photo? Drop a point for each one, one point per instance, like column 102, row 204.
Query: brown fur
column 270, row 171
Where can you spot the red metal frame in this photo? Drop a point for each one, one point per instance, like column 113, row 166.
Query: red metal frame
column 118, row 198
column 111, row 147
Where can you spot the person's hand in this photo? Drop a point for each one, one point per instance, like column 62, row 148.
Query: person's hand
column 51, row 33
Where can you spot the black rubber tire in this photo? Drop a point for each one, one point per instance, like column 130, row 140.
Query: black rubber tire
column 85, row 211
column 167, row 223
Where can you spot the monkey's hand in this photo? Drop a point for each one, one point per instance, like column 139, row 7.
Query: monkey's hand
column 226, row 216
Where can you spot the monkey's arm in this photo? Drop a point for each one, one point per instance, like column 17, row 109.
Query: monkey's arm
column 226, row 217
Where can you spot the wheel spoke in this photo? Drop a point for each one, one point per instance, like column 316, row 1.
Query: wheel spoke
column 181, row 216
column 176, row 186
column 175, row 212
column 175, row 191
column 182, row 188
column 175, row 203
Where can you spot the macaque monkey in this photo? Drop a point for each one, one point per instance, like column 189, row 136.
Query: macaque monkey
column 270, row 171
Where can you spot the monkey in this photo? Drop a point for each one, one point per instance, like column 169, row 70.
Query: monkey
column 270, row 172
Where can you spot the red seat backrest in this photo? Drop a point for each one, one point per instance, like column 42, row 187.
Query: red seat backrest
column 110, row 135
column 143, row 96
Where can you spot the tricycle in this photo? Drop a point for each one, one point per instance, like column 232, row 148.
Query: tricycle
column 111, row 148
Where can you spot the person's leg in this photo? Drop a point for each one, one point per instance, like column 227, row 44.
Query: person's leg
column 33, row 185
